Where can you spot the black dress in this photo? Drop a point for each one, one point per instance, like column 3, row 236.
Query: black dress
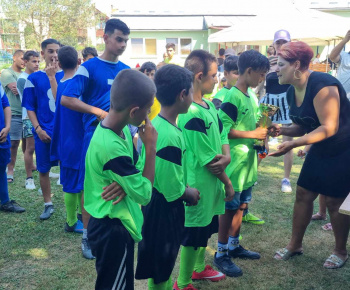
column 326, row 169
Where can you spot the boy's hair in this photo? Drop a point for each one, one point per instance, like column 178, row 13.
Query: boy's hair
column 199, row 60
column 18, row 52
column 271, row 50
column 170, row 80
column 222, row 51
column 113, row 24
column 68, row 57
column 89, row 50
column 252, row 59
column 148, row 67
column 170, row 45
column 131, row 88
column 48, row 41
column 231, row 63
column 30, row 53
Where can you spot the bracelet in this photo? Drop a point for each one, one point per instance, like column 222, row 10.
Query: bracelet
column 36, row 127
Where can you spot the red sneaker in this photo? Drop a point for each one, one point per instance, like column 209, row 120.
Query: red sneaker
column 189, row 287
column 208, row 274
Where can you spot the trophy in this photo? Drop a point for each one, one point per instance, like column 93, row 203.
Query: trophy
column 266, row 111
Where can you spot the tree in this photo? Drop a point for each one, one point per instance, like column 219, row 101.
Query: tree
column 64, row 20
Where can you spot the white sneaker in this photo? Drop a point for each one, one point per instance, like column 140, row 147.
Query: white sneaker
column 286, row 187
column 273, row 141
column 30, row 183
column 54, row 175
column 59, row 181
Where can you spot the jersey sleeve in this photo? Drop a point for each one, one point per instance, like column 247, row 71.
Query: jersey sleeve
column 169, row 172
column 7, row 78
column 228, row 113
column 4, row 100
column 122, row 170
column 78, row 84
column 20, row 86
column 29, row 98
column 196, row 137
column 217, row 103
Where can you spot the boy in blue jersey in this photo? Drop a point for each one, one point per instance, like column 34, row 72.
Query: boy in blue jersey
column 66, row 143
column 39, row 99
column 5, row 120
column 87, row 92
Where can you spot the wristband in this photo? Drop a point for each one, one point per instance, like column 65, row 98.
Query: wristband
column 36, row 127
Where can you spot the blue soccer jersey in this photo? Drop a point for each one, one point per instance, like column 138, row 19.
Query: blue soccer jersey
column 37, row 97
column 68, row 133
column 5, row 103
column 91, row 82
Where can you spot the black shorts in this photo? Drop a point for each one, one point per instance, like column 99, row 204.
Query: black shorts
column 162, row 235
column 113, row 247
column 199, row 236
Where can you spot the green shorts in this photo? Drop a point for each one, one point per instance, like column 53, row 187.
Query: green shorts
column 27, row 128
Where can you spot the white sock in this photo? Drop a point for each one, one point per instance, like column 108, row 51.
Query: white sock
column 84, row 233
column 48, row 203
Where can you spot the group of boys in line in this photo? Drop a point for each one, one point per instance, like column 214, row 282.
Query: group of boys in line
column 194, row 174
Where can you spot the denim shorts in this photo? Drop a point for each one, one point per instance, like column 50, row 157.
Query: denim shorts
column 27, row 128
column 244, row 196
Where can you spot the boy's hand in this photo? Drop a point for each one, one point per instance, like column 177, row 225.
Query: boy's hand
column 13, row 88
column 283, row 149
column 102, row 115
column 229, row 192
column 113, row 191
column 274, row 130
column 191, row 196
column 52, row 68
column 3, row 134
column 220, row 164
column 301, row 153
column 148, row 134
column 260, row 133
column 43, row 136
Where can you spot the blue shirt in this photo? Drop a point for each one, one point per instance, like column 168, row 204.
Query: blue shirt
column 92, row 82
column 5, row 103
column 37, row 97
column 68, row 132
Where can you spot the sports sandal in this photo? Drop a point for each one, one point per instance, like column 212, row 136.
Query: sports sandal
column 334, row 262
column 10, row 178
column 318, row 217
column 327, row 227
column 285, row 254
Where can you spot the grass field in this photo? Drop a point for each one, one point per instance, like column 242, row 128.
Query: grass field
column 40, row 255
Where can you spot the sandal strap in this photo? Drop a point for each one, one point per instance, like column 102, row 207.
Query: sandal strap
column 335, row 260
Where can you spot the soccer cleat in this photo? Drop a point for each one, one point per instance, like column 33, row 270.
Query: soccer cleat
column 29, row 183
column 54, row 175
column 47, row 213
column 226, row 266
column 242, row 253
column 86, row 250
column 250, row 218
column 12, row 206
column 76, row 228
column 208, row 274
column 188, row 287
column 285, row 186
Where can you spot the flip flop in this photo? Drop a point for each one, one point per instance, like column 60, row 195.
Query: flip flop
column 285, row 254
column 318, row 217
column 327, row 227
column 10, row 178
column 336, row 261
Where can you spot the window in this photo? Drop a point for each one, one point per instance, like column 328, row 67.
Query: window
column 142, row 46
column 185, row 45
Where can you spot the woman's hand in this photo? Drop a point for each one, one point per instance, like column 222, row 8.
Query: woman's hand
column 283, row 148
column 274, row 130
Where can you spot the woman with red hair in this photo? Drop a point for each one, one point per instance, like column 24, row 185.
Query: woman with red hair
column 319, row 110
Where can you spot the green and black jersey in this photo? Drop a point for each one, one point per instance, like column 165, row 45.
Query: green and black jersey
column 113, row 158
column 204, row 136
column 240, row 112
column 169, row 173
column 219, row 97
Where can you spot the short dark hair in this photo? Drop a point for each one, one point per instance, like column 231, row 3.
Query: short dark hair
column 199, row 60
column 68, row 57
column 170, row 45
column 170, row 80
column 222, row 51
column 30, row 53
column 131, row 87
column 48, row 41
column 18, row 51
column 231, row 63
column 148, row 67
column 113, row 24
column 252, row 59
column 89, row 50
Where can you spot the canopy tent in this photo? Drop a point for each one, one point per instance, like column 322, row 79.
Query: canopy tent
column 311, row 26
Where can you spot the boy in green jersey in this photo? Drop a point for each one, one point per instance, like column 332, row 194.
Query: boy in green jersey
column 207, row 155
column 239, row 114
column 116, row 222
column 165, row 215
column 231, row 76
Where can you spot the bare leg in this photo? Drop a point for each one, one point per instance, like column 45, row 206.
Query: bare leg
column 322, row 201
column 84, row 213
column 14, row 149
column 28, row 156
column 341, row 224
column 287, row 159
column 45, row 186
column 225, row 222
column 237, row 221
column 24, row 144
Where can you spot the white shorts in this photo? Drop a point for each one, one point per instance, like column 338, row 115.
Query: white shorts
column 280, row 100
